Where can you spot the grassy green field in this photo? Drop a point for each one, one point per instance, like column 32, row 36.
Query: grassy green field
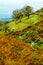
column 23, row 23
column 20, row 24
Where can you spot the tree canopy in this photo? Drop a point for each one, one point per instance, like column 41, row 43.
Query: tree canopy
column 25, row 11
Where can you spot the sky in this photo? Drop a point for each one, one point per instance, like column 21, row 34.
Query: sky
column 7, row 6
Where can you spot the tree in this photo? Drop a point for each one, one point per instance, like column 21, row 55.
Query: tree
column 17, row 14
column 28, row 10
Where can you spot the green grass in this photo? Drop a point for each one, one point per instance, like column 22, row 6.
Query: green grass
column 23, row 23
column 2, row 32
column 38, row 46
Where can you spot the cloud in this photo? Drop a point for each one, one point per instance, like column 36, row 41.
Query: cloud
column 18, row 2
column 7, row 6
column 34, row 0
column 6, row 2
column 11, row 1
column 14, row 4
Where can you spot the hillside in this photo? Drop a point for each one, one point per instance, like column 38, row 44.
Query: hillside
column 21, row 41
column 26, row 29
column 23, row 23
column 16, row 52
column 39, row 12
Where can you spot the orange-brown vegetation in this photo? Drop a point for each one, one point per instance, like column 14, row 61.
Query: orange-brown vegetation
column 16, row 52
column 40, row 23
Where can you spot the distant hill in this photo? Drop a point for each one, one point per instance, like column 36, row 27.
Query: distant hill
column 5, row 19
